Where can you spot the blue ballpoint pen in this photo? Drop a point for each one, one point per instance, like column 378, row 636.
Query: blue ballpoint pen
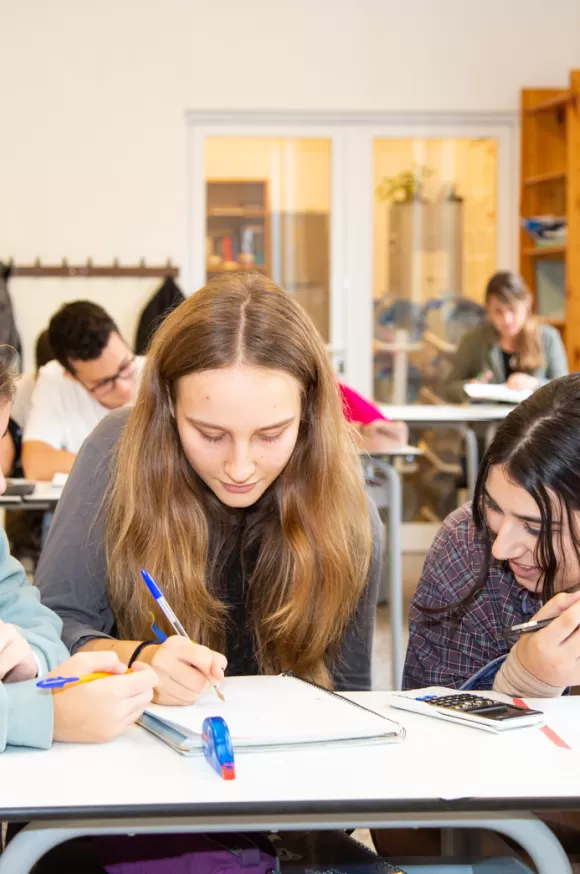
column 159, row 597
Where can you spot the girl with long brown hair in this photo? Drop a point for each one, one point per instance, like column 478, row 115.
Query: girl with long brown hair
column 235, row 482
column 513, row 347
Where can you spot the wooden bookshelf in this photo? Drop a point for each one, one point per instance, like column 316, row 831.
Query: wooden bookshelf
column 543, row 178
column 237, row 226
column 550, row 185
column 544, row 251
column 558, row 100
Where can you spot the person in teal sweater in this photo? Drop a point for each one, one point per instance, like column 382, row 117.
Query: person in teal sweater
column 31, row 647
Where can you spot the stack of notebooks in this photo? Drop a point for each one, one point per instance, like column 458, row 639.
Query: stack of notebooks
column 271, row 713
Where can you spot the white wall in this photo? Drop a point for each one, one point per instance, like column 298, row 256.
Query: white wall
column 92, row 131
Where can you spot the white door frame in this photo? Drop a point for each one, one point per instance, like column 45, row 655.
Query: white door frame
column 351, row 255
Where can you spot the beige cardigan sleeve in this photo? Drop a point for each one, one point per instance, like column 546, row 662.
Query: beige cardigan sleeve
column 515, row 680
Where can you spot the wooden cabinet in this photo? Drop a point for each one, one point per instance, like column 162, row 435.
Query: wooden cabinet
column 550, row 185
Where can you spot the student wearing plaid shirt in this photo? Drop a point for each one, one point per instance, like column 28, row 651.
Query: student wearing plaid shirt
column 507, row 558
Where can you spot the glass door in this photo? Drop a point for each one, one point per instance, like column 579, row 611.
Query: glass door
column 435, row 246
column 272, row 204
column 375, row 228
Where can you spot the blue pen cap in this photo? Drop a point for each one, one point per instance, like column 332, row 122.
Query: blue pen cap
column 151, row 585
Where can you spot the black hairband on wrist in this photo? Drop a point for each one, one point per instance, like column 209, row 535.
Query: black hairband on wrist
column 138, row 650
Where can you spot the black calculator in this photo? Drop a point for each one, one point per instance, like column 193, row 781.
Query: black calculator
column 477, row 710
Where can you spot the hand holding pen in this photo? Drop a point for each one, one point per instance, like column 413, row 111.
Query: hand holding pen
column 96, row 712
column 553, row 653
column 183, row 667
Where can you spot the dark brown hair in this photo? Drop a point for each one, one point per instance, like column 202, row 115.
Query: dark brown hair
column 538, row 445
column 79, row 331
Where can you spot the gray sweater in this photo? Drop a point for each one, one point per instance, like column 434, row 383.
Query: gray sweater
column 71, row 574
column 480, row 351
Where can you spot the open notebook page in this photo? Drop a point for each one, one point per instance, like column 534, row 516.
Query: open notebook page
column 280, row 710
column 494, row 393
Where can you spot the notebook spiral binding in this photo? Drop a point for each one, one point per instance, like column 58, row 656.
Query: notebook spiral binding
column 403, row 732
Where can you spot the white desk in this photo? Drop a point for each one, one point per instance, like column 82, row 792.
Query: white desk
column 442, row 775
column 389, row 496
column 45, row 497
column 427, row 415
column 461, row 416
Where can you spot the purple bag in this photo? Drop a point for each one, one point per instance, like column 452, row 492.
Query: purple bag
column 187, row 854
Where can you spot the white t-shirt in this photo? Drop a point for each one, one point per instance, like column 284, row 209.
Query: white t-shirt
column 62, row 412
column 23, row 399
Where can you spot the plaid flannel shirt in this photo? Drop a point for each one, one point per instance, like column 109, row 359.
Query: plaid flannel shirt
column 445, row 650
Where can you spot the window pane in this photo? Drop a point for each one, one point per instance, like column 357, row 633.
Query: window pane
column 268, row 209
column 435, row 247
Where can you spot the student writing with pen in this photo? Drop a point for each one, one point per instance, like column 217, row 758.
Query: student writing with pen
column 510, row 557
column 513, row 347
column 235, row 482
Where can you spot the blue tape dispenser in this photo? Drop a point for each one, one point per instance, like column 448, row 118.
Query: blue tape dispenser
column 217, row 746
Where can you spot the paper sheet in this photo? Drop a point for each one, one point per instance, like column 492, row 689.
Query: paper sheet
column 279, row 710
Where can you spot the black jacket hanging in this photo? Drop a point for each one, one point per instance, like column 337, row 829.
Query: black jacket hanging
column 164, row 301
column 8, row 330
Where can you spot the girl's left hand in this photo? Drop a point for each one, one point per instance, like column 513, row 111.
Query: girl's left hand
column 17, row 661
column 520, row 381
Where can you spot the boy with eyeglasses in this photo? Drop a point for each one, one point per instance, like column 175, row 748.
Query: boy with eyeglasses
column 94, row 372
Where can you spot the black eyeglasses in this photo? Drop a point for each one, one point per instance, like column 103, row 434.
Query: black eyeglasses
column 107, row 385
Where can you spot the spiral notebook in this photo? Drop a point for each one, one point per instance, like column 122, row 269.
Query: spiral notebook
column 272, row 713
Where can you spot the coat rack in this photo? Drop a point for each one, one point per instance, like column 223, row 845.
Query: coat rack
column 90, row 270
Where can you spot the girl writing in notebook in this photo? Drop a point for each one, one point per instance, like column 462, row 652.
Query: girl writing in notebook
column 513, row 347
column 235, row 482
column 30, row 647
column 512, row 555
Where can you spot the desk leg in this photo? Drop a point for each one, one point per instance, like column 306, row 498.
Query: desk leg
column 395, row 571
column 471, row 457
column 534, row 836
column 490, row 433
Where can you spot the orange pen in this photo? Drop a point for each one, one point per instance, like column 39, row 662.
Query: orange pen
column 61, row 682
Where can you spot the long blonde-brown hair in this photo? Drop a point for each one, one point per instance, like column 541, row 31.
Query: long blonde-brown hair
column 308, row 539
column 8, row 373
column 509, row 288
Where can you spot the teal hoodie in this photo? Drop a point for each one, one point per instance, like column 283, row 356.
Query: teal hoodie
column 26, row 713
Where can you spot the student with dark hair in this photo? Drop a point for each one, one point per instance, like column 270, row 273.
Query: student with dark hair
column 24, row 528
column 513, row 347
column 11, row 444
column 94, row 371
column 512, row 556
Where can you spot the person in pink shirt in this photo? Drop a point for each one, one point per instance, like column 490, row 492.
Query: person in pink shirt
column 375, row 432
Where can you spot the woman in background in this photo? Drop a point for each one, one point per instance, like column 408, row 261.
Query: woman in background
column 11, row 443
column 513, row 347
column 25, row 529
